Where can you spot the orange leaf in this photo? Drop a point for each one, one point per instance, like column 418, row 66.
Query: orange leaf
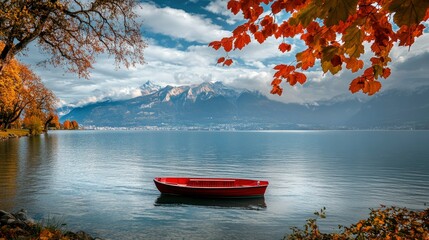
column 386, row 72
column 300, row 77
column 356, row 85
column 371, row 87
column 285, row 47
column 277, row 90
column 222, row 59
column 283, row 70
column 353, row 64
column 227, row 62
column 295, row 77
column 276, row 81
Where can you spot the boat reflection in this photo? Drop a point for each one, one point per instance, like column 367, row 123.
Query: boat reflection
column 238, row 203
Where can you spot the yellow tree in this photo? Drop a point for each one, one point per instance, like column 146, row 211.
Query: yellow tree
column 74, row 125
column 67, row 125
column 10, row 83
column 73, row 32
column 23, row 91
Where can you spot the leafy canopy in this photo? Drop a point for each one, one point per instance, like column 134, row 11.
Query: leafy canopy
column 333, row 32
column 73, row 32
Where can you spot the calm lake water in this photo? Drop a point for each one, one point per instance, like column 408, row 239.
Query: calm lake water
column 101, row 181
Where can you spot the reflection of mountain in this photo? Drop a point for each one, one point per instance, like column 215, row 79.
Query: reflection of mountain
column 239, row 203
column 213, row 104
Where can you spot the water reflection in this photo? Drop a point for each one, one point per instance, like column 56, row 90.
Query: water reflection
column 9, row 170
column 237, row 203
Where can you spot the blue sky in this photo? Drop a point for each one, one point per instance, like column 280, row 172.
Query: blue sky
column 178, row 33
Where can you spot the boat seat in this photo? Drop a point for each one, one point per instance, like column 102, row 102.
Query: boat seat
column 211, row 182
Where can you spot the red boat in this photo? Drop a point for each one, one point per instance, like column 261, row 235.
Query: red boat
column 211, row 187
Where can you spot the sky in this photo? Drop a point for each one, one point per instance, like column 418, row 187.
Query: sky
column 178, row 33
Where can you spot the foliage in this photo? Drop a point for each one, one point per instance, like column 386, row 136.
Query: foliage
column 70, row 125
column 73, row 32
column 22, row 91
column 34, row 125
column 334, row 33
column 384, row 223
column 50, row 230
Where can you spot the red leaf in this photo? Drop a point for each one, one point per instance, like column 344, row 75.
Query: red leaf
column 336, row 61
column 227, row 44
column 215, row 44
column 371, row 87
column 259, row 37
column 234, row 6
column 253, row 28
column 300, row 77
column 277, row 90
column 239, row 30
column 386, row 72
column 276, row 81
column 285, row 47
column 242, row 40
column 276, row 7
column 356, row 85
column 227, row 62
column 222, row 59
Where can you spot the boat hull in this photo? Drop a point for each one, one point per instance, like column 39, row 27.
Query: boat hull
column 211, row 187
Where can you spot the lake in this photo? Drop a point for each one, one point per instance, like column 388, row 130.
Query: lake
column 101, row 181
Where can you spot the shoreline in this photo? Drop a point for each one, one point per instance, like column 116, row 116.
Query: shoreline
column 20, row 226
column 13, row 133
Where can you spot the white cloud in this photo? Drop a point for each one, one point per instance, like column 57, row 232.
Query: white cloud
column 220, row 7
column 179, row 24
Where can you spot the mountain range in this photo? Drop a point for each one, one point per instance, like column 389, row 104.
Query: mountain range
column 216, row 106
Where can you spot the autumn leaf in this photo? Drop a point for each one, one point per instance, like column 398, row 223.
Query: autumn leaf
column 234, row 6
column 332, row 32
column 371, row 87
column 308, row 14
column 227, row 44
column 337, row 10
column 242, row 40
column 215, row 44
column 285, row 47
column 295, row 77
column 220, row 60
column 277, row 90
column 259, row 37
column 283, row 70
column 353, row 64
column 227, row 62
column 353, row 39
column 306, row 59
column 356, row 85
column 408, row 12
column 276, row 81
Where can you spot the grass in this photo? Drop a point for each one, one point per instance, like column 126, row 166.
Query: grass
column 17, row 132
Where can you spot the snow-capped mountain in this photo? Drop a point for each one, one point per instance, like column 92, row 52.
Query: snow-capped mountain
column 214, row 104
column 149, row 88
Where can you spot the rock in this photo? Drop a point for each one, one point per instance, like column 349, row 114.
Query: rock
column 6, row 218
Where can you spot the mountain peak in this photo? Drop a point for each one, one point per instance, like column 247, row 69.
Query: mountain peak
column 149, row 88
